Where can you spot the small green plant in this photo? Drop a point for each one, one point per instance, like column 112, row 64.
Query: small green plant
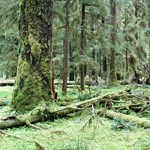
column 83, row 96
column 119, row 125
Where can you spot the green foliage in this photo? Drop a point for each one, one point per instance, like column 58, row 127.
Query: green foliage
column 8, row 36
column 69, row 134
column 8, row 54
column 83, row 96
column 119, row 125
column 98, row 39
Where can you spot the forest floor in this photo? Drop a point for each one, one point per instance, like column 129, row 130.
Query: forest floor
column 70, row 133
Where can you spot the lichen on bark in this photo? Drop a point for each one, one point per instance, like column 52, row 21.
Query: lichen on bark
column 33, row 73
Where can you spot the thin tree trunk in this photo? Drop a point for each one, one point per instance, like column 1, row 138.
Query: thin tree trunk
column 66, row 47
column 105, row 64
column 100, row 62
column 32, row 85
column 112, row 76
column 126, row 51
column 127, row 64
column 82, row 47
column 93, row 51
column 104, row 56
column 71, row 74
column 136, row 34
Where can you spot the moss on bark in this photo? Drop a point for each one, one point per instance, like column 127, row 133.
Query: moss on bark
column 33, row 74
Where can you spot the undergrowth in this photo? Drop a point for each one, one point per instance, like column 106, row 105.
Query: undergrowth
column 74, row 133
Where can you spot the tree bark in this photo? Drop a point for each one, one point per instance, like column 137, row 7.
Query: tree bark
column 112, row 75
column 93, row 51
column 149, row 34
column 82, row 47
column 33, row 74
column 71, row 74
column 66, row 47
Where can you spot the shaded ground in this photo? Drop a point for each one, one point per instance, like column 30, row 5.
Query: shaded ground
column 68, row 133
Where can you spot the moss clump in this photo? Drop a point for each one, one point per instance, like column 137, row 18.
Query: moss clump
column 35, row 46
column 30, row 95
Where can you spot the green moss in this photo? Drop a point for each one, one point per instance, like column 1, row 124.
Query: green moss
column 30, row 95
column 33, row 74
column 35, row 46
column 23, row 69
column 45, row 70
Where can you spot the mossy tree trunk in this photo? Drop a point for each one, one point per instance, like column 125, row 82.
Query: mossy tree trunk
column 112, row 76
column 33, row 73
column 148, row 79
column 149, row 31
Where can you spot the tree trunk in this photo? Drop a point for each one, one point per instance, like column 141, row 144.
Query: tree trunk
column 82, row 46
column 126, row 64
column 149, row 32
column 71, row 74
column 112, row 75
column 66, row 47
column 100, row 62
column 148, row 78
column 33, row 74
column 93, row 51
column 1, row 73
column 104, row 59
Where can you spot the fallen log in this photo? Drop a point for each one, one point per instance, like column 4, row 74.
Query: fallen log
column 129, row 106
column 7, row 82
column 11, row 82
column 46, row 114
column 114, row 115
column 43, row 113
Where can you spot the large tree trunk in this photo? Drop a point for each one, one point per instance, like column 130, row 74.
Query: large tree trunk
column 112, row 76
column 66, row 47
column 149, row 43
column 33, row 74
column 149, row 32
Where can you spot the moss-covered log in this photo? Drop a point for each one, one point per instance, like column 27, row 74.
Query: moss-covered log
column 41, row 112
column 33, row 74
column 115, row 115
